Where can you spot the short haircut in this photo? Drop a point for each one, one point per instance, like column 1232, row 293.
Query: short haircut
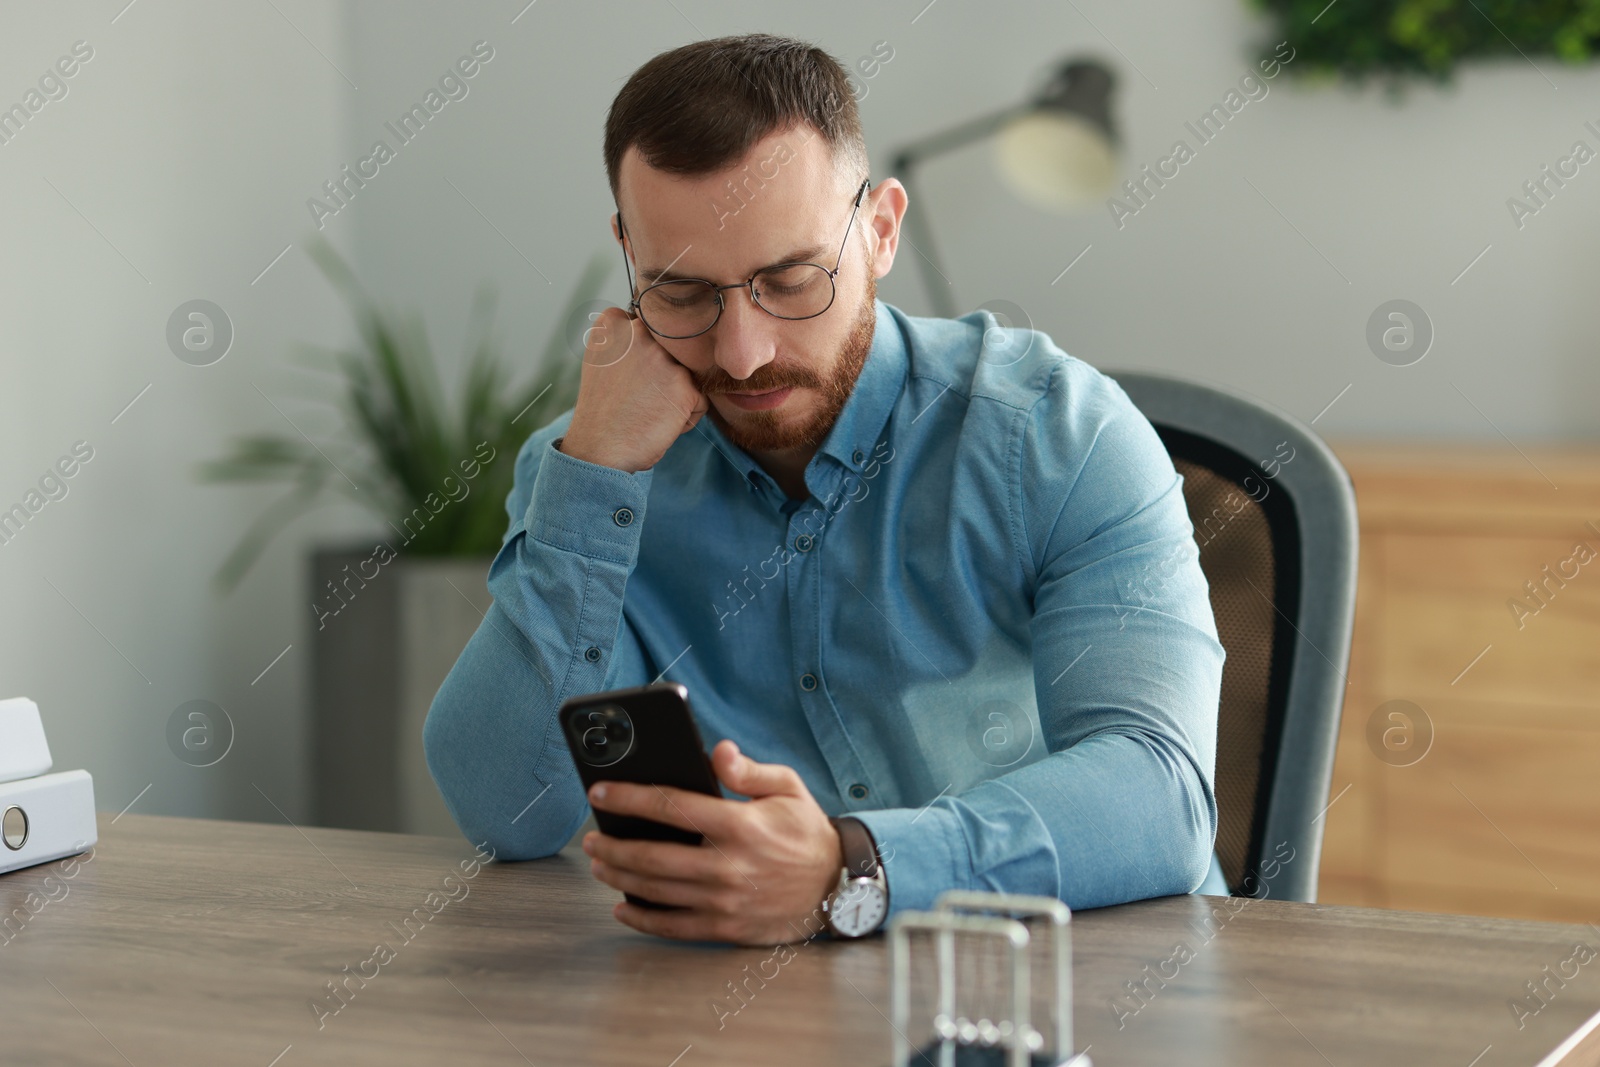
column 698, row 109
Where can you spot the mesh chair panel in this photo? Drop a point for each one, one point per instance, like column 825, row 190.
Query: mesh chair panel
column 1279, row 556
column 1237, row 555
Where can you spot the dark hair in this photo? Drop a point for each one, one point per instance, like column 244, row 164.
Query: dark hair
column 699, row 108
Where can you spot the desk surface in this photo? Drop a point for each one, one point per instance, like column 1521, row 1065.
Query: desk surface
column 198, row 942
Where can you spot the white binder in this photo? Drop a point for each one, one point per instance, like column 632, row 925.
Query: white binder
column 23, row 751
column 43, row 817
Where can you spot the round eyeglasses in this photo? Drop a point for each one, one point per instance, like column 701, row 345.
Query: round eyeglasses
column 687, row 307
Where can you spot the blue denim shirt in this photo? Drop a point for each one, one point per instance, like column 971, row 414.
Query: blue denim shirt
column 985, row 632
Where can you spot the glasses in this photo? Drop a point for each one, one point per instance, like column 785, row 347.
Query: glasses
column 688, row 307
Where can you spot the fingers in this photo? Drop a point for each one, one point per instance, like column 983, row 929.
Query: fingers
column 661, row 859
column 660, row 890
column 683, row 925
column 701, row 406
column 609, row 338
column 744, row 775
column 762, row 865
column 712, row 816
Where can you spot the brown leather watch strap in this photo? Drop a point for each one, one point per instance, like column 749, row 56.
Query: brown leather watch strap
column 860, row 853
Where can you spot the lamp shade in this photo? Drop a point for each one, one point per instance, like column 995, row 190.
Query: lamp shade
column 1059, row 154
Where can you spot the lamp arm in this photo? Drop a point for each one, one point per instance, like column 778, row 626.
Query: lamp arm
column 939, row 143
column 905, row 161
column 928, row 260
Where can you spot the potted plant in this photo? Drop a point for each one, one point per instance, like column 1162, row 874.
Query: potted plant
column 389, row 616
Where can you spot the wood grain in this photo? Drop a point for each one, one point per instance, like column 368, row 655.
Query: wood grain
column 198, row 942
column 1500, row 817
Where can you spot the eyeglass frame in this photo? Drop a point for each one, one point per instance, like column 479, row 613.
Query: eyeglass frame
column 748, row 283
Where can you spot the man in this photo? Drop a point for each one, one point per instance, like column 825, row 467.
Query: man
column 933, row 577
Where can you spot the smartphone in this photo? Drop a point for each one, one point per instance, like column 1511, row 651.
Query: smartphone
column 645, row 735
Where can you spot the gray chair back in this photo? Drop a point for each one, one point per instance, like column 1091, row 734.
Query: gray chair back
column 1274, row 516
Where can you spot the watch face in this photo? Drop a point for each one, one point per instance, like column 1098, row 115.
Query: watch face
column 859, row 909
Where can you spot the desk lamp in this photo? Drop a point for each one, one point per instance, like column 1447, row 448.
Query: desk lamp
column 1056, row 151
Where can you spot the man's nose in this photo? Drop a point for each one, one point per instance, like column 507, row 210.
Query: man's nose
column 746, row 336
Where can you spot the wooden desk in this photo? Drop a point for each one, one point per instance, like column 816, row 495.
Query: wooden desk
column 197, row 942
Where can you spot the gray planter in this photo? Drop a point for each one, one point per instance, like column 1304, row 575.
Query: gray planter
column 383, row 637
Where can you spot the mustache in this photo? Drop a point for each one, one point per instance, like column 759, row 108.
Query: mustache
column 764, row 380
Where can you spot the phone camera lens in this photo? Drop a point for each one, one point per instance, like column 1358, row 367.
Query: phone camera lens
column 604, row 735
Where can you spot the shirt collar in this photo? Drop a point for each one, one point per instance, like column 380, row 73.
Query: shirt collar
column 861, row 421
column 865, row 414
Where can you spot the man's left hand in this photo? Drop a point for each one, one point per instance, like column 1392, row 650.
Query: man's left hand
column 760, row 874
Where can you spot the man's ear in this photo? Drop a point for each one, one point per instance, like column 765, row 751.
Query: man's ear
column 883, row 224
column 616, row 228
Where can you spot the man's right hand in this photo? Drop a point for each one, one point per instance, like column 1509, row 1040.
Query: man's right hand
column 634, row 399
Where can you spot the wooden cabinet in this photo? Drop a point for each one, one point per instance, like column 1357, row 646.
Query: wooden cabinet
column 1500, row 815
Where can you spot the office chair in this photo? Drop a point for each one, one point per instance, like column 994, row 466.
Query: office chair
column 1275, row 518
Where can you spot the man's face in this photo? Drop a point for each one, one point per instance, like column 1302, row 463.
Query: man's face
column 787, row 197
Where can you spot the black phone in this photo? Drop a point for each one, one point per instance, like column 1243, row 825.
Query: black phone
column 645, row 735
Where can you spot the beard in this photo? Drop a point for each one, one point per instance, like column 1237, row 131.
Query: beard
column 777, row 431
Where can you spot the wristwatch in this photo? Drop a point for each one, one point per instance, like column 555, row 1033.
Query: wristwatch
column 860, row 902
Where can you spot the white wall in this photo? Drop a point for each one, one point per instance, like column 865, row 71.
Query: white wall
column 192, row 140
column 1208, row 280
column 187, row 143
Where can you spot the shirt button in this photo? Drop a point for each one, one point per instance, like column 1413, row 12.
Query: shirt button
column 858, row 457
column 803, row 543
column 808, row 682
column 591, row 654
column 858, row 792
column 623, row 516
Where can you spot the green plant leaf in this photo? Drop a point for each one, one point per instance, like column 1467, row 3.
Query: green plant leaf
column 1408, row 40
column 415, row 448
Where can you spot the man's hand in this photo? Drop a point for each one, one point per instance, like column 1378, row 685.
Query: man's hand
column 763, row 869
column 634, row 399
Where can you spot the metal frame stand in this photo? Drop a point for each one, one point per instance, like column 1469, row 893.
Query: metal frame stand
column 961, row 1041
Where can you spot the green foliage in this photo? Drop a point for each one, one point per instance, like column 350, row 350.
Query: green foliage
column 1405, row 39
column 406, row 441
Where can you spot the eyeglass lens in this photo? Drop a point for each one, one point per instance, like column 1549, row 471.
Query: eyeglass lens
column 689, row 307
